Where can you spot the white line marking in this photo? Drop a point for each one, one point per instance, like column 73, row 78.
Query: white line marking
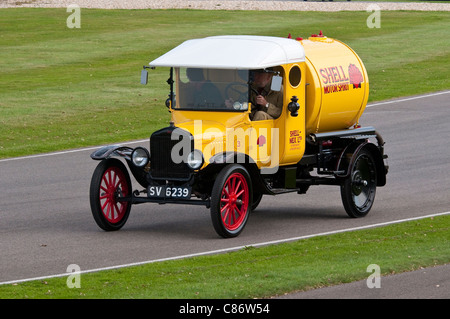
column 141, row 141
column 408, row 98
column 68, row 152
column 231, row 249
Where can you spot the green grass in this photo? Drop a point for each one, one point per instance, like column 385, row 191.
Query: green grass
column 64, row 88
column 265, row 271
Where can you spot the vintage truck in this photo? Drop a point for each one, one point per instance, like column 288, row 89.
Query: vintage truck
column 217, row 152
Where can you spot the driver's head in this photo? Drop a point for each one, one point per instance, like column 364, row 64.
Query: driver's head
column 262, row 77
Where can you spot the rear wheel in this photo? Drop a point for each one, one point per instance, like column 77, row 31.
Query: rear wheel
column 231, row 200
column 358, row 189
column 110, row 181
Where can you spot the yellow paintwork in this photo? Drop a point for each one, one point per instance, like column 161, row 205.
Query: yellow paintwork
column 331, row 103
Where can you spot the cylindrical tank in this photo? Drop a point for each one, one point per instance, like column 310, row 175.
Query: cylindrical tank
column 337, row 86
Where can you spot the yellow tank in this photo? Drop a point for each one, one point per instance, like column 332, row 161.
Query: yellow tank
column 337, row 86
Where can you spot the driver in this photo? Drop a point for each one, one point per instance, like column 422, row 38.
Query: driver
column 266, row 104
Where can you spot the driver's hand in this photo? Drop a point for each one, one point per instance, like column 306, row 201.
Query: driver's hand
column 261, row 100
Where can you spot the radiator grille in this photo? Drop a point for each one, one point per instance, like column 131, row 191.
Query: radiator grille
column 162, row 165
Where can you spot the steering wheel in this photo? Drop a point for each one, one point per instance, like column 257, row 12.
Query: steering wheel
column 238, row 91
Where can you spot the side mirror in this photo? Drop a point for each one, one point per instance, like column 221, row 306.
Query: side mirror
column 144, row 77
column 276, row 83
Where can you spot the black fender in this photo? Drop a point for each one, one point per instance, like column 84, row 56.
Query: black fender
column 219, row 160
column 350, row 153
column 122, row 152
column 379, row 161
column 111, row 151
column 230, row 158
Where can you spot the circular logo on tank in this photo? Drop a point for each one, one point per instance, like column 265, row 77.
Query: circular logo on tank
column 356, row 77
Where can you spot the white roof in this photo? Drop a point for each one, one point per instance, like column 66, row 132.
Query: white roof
column 233, row 52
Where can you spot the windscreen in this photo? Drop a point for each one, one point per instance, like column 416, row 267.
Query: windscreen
column 212, row 89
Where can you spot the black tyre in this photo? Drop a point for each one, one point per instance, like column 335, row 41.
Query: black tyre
column 256, row 200
column 358, row 189
column 231, row 199
column 109, row 181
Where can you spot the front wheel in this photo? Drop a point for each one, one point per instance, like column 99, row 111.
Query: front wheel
column 358, row 189
column 256, row 200
column 231, row 199
column 110, row 181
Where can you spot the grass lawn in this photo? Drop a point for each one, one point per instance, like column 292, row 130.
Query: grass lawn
column 265, row 271
column 64, row 88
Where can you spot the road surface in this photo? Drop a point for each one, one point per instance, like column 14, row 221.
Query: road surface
column 46, row 223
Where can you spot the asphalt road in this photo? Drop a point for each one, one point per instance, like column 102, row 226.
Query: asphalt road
column 428, row 283
column 46, row 223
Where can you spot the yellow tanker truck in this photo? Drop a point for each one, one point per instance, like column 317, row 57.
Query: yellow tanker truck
column 250, row 116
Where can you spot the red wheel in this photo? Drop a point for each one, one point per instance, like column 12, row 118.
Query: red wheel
column 234, row 201
column 110, row 181
column 230, row 201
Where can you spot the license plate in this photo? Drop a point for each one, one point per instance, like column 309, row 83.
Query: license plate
column 169, row 191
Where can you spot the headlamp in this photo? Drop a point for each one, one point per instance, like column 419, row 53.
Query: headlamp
column 195, row 159
column 140, row 157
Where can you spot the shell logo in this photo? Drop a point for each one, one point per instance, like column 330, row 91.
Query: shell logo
column 355, row 75
column 336, row 80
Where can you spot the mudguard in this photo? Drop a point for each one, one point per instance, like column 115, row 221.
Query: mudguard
column 112, row 150
column 349, row 155
column 231, row 157
column 125, row 153
column 258, row 182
